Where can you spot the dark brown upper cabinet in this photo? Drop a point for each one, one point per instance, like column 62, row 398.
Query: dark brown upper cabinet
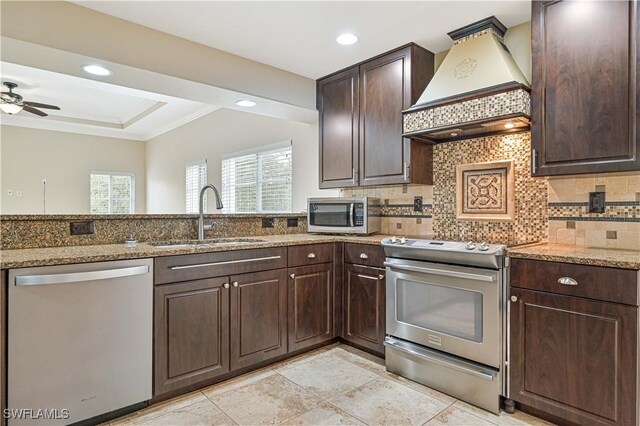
column 584, row 93
column 338, row 103
column 360, row 108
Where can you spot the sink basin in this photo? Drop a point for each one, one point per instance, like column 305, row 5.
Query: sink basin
column 175, row 244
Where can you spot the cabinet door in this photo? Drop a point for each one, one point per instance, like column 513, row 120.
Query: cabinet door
column 365, row 307
column 191, row 336
column 385, row 90
column 584, row 93
column 574, row 358
column 310, row 305
column 337, row 98
column 258, row 316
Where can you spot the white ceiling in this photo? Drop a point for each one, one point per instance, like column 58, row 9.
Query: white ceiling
column 300, row 36
column 96, row 108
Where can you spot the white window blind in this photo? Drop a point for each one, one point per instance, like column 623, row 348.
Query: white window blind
column 195, row 178
column 258, row 180
column 112, row 193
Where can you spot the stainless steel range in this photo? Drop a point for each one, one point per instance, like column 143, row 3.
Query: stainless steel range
column 446, row 317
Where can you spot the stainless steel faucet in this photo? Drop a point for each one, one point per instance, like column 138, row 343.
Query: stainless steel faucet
column 201, row 206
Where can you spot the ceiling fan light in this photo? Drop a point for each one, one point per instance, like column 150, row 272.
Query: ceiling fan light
column 10, row 108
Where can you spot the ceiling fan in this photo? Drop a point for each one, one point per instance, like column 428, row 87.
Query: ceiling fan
column 12, row 103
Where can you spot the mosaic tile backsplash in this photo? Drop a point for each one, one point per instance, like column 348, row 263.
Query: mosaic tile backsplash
column 530, row 213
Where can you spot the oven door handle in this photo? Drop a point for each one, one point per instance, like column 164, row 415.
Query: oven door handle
column 424, row 355
column 443, row 272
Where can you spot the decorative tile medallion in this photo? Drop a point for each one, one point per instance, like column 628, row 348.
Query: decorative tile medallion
column 484, row 191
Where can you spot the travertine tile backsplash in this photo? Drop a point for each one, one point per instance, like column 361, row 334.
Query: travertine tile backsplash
column 398, row 215
column 617, row 227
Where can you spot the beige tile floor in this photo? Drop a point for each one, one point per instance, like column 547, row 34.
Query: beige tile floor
column 334, row 385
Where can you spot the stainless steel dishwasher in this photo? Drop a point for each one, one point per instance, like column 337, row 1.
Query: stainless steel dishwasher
column 80, row 340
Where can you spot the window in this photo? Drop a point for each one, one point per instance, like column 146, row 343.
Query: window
column 258, row 180
column 195, row 178
column 112, row 193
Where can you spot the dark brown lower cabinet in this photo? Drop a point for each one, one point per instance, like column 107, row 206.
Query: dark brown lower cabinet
column 310, row 305
column 258, row 315
column 574, row 358
column 364, row 306
column 191, row 333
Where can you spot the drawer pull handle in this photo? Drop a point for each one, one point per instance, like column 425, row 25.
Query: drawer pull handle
column 567, row 281
column 225, row 285
column 363, row 256
column 292, row 275
column 311, row 255
column 235, row 283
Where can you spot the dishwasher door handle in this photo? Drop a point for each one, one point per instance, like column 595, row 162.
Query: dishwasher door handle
column 444, row 272
column 74, row 277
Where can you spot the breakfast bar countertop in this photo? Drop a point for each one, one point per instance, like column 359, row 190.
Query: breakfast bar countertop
column 614, row 258
column 22, row 258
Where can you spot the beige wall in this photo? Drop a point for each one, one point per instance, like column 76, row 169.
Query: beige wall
column 65, row 160
column 221, row 132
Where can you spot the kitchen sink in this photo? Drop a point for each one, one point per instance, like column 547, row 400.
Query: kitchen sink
column 174, row 244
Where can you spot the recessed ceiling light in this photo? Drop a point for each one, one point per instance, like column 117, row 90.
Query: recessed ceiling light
column 246, row 103
column 509, row 126
column 347, row 38
column 97, row 70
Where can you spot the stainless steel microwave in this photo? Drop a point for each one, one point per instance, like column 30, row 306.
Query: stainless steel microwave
column 344, row 215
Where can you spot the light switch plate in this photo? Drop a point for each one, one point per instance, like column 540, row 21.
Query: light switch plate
column 596, row 202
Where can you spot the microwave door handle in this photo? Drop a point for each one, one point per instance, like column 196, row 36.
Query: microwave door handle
column 352, row 213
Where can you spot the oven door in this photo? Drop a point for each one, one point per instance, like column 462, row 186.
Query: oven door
column 454, row 309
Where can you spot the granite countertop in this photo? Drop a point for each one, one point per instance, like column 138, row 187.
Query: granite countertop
column 22, row 258
column 615, row 258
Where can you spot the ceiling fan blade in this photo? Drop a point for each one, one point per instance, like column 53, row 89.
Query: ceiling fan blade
column 34, row 111
column 39, row 105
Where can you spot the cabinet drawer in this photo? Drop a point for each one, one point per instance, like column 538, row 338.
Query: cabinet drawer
column 592, row 282
column 171, row 269
column 310, row 254
column 364, row 254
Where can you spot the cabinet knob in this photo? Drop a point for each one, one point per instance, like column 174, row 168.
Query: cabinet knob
column 381, row 277
column 235, row 283
column 225, row 285
column 311, row 255
column 363, row 256
column 292, row 275
column 567, row 281
column 514, row 299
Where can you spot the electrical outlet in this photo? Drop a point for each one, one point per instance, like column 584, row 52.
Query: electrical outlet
column 417, row 204
column 81, row 228
column 596, row 202
column 268, row 222
column 292, row 222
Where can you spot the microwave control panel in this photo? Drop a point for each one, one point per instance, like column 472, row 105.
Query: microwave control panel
column 359, row 214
